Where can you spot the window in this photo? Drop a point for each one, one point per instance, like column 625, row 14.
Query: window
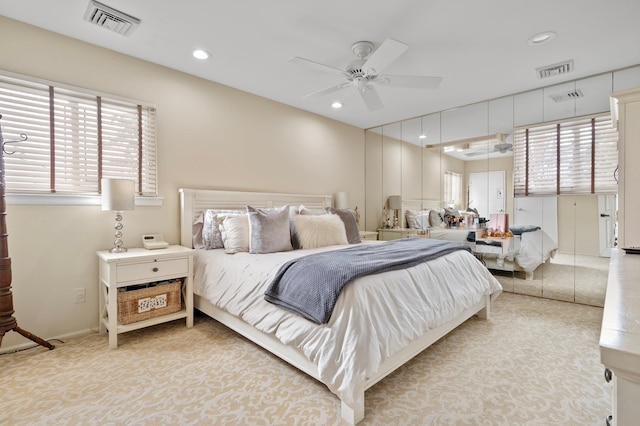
column 578, row 156
column 452, row 189
column 74, row 138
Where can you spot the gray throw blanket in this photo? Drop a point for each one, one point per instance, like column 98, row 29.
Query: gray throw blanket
column 310, row 285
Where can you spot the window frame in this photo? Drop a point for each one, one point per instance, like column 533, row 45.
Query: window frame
column 84, row 186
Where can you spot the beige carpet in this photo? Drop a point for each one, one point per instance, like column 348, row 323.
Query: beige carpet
column 536, row 362
column 571, row 278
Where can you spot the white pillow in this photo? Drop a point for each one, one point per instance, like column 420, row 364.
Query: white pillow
column 235, row 232
column 314, row 231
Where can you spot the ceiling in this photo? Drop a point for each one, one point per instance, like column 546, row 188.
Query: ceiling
column 479, row 48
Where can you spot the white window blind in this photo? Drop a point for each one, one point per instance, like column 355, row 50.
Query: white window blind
column 577, row 156
column 74, row 138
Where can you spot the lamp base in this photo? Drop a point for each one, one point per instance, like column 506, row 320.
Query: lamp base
column 117, row 243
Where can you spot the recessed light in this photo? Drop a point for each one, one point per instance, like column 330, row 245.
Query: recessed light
column 422, row 137
column 201, row 54
column 336, row 105
column 541, row 38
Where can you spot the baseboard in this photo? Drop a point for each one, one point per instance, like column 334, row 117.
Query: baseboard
column 28, row 344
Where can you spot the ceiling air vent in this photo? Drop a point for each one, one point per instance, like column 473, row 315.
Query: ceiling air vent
column 111, row 19
column 561, row 97
column 555, row 69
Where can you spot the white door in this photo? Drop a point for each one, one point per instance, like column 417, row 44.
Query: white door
column 607, row 207
column 487, row 192
column 537, row 211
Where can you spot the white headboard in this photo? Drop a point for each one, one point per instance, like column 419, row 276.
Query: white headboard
column 420, row 204
column 195, row 201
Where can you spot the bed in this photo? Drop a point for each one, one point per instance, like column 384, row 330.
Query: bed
column 360, row 344
column 528, row 248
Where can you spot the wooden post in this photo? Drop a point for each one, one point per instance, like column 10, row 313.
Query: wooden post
column 7, row 320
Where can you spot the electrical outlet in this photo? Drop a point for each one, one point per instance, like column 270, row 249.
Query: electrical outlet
column 80, row 295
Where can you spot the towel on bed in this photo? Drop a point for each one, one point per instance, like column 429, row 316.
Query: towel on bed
column 310, row 285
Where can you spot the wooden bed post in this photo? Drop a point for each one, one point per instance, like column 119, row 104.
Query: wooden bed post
column 352, row 414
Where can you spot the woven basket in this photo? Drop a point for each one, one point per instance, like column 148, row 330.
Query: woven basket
column 150, row 302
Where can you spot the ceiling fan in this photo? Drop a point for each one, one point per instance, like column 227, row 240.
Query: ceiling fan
column 502, row 148
column 363, row 73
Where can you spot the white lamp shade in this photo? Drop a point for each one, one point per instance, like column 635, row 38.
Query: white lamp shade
column 395, row 202
column 118, row 194
column 341, row 200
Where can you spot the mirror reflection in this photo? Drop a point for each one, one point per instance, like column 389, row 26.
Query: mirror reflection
column 421, row 182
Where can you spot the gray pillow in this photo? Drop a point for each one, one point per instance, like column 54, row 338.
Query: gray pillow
column 350, row 225
column 269, row 230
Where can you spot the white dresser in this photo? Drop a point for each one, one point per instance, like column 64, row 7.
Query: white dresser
column 620, row 333
column 620, row 336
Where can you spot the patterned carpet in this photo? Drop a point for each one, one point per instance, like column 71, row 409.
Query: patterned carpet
column 536, row 362
column 571, row 278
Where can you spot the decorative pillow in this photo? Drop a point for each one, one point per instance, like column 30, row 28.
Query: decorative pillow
column 269, row 230
column 196, row 232
column 306, row 211
column 422, row 219
column 411, row 219
column 450, row 211
column 235, row 232
column 315, row 231
column 348, row 217
column 435, row 217
column 211, row 237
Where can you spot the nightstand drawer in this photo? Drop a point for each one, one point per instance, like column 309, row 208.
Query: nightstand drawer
column 149, row 270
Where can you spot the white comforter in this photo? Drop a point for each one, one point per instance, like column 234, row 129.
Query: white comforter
column 529, row 250
column 375, row 316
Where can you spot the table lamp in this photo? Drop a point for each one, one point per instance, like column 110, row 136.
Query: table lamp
column 118, row 195
column 395, row 204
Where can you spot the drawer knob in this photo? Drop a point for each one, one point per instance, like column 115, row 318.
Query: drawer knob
column 155, row 269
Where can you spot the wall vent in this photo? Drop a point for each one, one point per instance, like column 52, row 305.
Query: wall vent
column 561, row 97
column 111, row 19
column 555, row 69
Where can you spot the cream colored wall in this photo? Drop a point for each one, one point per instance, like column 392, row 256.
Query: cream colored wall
column 209, row 136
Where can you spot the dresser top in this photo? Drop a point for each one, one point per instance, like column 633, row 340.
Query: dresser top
column 620, row 333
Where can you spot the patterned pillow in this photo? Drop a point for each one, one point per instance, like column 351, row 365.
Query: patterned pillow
column 211, row 237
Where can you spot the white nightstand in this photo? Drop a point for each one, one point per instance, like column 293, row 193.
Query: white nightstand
column 141, row 266
column 368, row 235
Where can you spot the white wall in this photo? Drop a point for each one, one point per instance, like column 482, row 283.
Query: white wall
column 209, row 136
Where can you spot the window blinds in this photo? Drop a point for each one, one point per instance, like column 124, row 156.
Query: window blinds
column 75, row 138
column 579, row 156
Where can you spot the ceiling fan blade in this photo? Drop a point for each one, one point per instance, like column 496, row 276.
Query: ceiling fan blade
column 317, row 65
column 388, row 52
column 327, row 90
column 371, row 98
column 409, row 81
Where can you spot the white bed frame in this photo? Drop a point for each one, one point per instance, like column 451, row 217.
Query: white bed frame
column 195, row 201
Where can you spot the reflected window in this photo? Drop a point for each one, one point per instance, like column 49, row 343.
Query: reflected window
column 453, row 189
